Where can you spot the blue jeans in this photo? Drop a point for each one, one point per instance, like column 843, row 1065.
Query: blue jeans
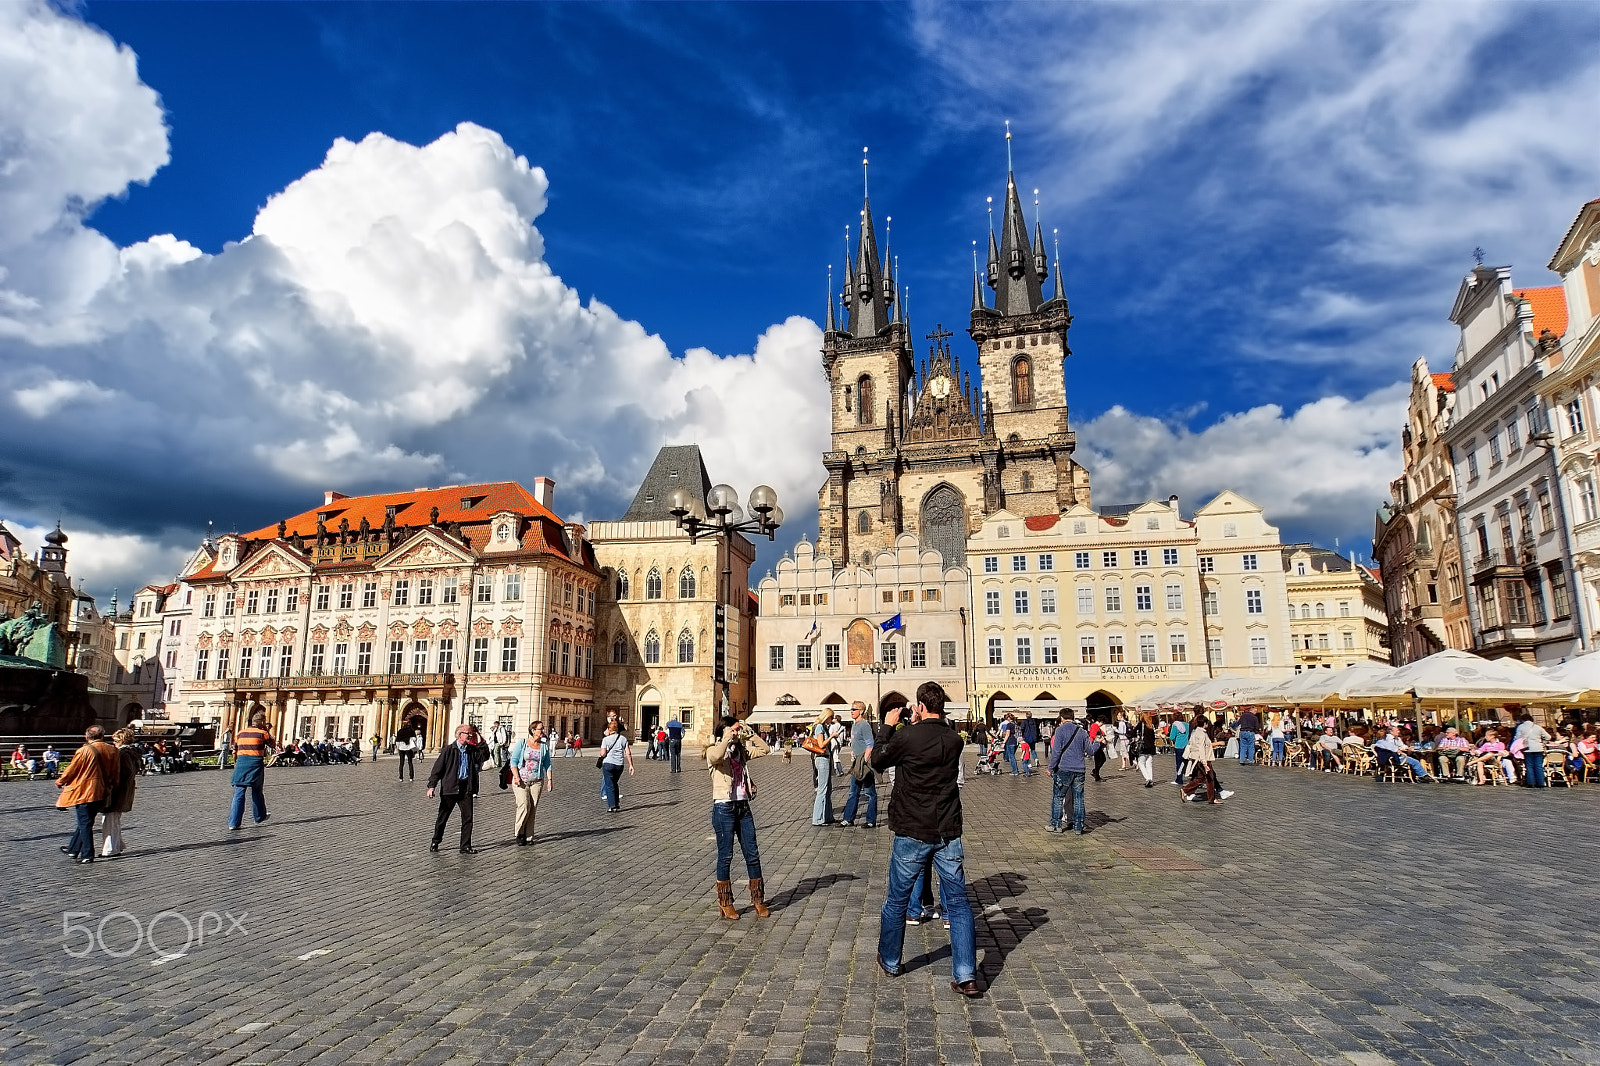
column 922, row 889
column 1067, row 783
column 1533, row 768
column 675, row 747
column 822, row 774
column 905, row 861
column 1247, row 746
column 857, row 790
column 81, row 844
column 610, row 777
column 728, row 820
column 1011, row 757
column 1278, row 750
column 1177, row 759
column 258, row 805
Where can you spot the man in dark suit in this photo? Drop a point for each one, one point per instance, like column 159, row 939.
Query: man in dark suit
column 455, row 775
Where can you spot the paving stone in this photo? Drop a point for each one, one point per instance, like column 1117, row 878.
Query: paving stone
column 1312, row 919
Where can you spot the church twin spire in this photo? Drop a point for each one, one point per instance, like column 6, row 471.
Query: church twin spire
column 1016, row 268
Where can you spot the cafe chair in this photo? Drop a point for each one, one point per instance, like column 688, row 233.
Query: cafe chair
column 1555, row 769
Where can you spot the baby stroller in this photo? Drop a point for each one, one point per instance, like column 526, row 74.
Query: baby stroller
column 992, row 760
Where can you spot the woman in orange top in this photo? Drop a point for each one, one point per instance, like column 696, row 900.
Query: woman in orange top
column 87, row 782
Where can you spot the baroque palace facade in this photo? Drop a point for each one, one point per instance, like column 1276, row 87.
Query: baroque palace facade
column 427, row 607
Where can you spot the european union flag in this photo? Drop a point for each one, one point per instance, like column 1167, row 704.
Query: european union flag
column 893, row 623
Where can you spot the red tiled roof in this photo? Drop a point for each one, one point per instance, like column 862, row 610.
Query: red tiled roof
column 414, row 508
column 1443, row 382
column 1549, row 309
column 1042, row 521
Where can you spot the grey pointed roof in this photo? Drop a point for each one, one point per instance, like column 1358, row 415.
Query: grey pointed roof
column 1017, row 291
column 870, row 314
column 676, row 466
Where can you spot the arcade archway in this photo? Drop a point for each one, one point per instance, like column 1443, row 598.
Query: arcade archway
column 988, row 708
column 889, row 702
column 1102, row 705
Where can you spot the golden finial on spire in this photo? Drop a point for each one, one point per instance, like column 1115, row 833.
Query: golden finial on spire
column 1008, row 146
column 863, row 171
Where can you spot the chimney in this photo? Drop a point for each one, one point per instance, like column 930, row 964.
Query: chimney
column 329, row 496
column 544, row 491
column 1172, row 502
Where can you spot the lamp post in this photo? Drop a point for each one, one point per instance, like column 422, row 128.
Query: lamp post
column 878, row 669
column 719, row 515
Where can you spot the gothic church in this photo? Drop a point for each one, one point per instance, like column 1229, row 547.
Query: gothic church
column 923, row 448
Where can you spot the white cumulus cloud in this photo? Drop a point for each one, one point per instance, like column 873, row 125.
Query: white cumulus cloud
column 390, row 321
column 1325, row 466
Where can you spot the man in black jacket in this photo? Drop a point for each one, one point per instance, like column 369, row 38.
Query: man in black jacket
column 925, row 816
column 455, row 775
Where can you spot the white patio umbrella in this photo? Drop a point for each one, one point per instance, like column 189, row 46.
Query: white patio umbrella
column 1582, row 675
column 1460, row 675
column 1316, row 687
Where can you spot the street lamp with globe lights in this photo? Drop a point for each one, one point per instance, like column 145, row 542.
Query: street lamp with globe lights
column 719, row 515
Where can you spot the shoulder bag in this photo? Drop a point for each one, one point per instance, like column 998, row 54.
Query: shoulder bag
column 816, row 745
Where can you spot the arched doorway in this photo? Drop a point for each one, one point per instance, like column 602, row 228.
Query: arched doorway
column 944, row 524
column 414, row 721
column 989, row 712
column 132, row 712
column 889, row 702
column 833, row 698
column 649, row 713
column 1102, row 705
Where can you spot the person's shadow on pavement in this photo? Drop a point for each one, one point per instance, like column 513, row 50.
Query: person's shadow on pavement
column 806, row 887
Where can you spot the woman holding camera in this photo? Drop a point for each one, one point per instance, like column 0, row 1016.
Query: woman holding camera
column 728, row 759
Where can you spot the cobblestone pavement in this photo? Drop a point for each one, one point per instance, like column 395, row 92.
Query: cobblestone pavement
column 1312, row 918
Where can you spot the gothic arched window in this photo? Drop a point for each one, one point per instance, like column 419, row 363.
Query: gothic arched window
column 685, row 647
column 863, row 522
column 619, row 649
column 652, row 584
column 866, row 406
column 652, row 648
column 1022, row 382
column 622, row 585
column 686, row 584
column 1027, row 481
column 944, row 525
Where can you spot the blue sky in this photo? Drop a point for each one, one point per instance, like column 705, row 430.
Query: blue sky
column 1264, row 213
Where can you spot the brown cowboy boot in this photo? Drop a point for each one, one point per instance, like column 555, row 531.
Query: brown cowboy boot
column 757, row 899
column 725, row 900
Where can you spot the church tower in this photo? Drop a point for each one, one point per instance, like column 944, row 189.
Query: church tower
column 932, row 450
column 867, row 361
column 1022, row 351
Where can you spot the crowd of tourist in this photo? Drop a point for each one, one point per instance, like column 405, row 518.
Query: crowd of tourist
column 1523, row 752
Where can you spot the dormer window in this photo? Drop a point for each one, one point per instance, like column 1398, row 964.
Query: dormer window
column 503, row 534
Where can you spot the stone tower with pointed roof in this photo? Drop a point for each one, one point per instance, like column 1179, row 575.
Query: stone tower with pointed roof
column 932, row 450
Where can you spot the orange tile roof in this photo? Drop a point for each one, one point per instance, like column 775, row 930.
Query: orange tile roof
column 414, row 508
column 1549, row 309
column 1444, row 382
column 1043, row 521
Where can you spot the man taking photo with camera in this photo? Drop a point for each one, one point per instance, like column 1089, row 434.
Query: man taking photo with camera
column 925, row 816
